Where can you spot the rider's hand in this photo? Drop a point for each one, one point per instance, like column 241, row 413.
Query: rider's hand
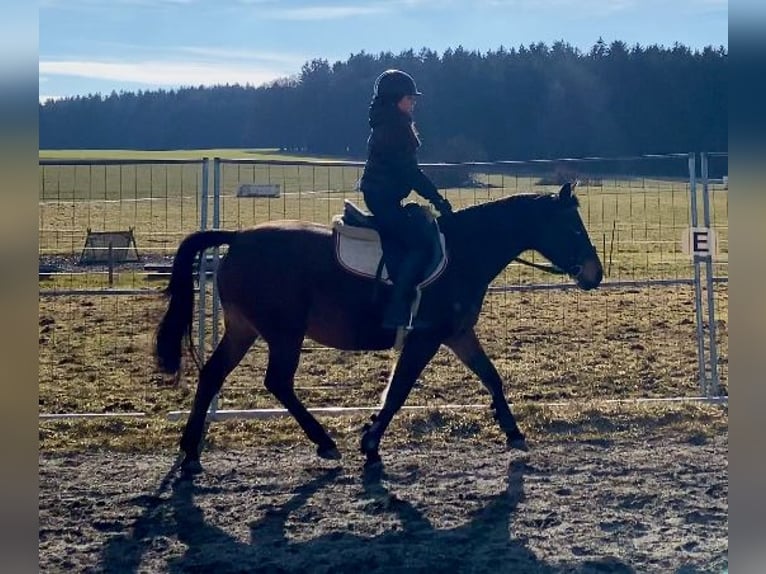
column 443, row 206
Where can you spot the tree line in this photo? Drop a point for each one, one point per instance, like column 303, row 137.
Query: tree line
column 535, row 101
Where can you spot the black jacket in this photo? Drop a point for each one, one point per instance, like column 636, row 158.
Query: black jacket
column 391, row 170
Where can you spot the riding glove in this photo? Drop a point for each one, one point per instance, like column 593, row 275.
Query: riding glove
column 443, row 206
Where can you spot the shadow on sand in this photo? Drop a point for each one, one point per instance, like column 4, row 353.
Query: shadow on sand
column 483, row 544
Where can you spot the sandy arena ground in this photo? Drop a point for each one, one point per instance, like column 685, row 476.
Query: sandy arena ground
column 654, row 505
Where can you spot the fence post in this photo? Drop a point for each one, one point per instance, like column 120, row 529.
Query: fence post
column 216, row 252
column 202, row 263
column 111, row 264
column 713, row 387
column 697, row 276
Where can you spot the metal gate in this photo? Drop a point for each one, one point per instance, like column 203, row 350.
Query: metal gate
column 249, row 191
column 640, row 221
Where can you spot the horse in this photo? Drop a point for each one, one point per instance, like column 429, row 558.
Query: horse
column 281, row 282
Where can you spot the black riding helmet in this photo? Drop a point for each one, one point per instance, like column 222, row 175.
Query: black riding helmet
column 393, row 85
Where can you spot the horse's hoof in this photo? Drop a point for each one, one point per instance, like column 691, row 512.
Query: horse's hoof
column 191, row 467
column 517, row 444
column 331, row 453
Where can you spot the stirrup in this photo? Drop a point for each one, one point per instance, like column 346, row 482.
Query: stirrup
column 403, row 321
column 401, row 335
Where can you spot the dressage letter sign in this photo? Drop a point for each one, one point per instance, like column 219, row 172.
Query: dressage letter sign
column 699, row 241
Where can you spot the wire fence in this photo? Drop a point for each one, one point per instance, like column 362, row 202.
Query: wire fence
column 157, row 202
column 636, row 337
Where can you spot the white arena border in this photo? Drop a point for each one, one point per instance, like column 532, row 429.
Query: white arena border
column 226, row 414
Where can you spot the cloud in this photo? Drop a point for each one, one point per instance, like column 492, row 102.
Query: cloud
column 582, row 7
column 156, row 2
column 44, row 98
column 303, row 10
column 163, row 73
column 608, row 7
column 74, row 4
column 326, row 12
column 234, row 54
column 339, row 11
column 221, row 53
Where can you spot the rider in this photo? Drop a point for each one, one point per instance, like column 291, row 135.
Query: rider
column 390, row 173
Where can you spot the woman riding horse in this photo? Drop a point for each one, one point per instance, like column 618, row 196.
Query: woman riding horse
column 390, row 173
column 281, row 282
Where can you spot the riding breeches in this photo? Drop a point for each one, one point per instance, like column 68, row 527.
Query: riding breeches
column 408, row 228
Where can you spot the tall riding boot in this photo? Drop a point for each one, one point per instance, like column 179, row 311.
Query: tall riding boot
column 398, row 312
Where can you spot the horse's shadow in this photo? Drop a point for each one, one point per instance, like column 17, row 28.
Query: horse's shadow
column 483, row 544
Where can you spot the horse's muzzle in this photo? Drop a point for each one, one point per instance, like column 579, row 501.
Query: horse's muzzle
column 590, row 274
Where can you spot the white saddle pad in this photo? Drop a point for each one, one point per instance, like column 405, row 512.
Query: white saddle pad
column 359, row 251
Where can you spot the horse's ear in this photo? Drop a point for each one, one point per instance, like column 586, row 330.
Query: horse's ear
column 565, row 193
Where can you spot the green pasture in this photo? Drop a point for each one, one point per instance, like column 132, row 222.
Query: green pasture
column 121, row 154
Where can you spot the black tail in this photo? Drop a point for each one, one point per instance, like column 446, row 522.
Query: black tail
column 177, row 321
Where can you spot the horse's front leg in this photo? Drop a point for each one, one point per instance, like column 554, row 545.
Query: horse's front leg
column 468, row 349
column 417, row 352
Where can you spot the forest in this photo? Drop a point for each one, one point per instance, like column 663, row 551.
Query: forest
column 529, row 102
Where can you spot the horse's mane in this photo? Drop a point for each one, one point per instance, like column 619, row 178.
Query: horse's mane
column 503, row 206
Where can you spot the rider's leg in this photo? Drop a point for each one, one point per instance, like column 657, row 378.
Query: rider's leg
column 411, row 232
column 397, row 313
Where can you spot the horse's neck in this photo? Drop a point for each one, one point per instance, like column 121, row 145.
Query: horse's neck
column 488, row 237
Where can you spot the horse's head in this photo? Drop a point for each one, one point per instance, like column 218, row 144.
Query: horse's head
column 563, row 239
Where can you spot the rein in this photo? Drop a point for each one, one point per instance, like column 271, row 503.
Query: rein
column 547, row 268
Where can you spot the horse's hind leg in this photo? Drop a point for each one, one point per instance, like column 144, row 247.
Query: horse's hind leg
column 235, row 342
column 280, row 374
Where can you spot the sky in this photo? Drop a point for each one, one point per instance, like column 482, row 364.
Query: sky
column 98, row 46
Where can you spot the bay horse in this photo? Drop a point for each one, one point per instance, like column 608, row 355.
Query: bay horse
column 280, row 281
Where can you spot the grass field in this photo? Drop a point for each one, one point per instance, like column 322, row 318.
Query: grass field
column 127, row 154
column 636, row 223
column 95, row 352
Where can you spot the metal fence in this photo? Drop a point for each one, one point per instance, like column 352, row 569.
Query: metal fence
column 96, row 320
column 711, row 237
column 656, row 328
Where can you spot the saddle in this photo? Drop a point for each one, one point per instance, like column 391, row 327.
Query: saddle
column 359, row 250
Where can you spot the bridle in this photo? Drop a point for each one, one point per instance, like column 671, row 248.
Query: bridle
column 547, row 268
column 574, row 271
